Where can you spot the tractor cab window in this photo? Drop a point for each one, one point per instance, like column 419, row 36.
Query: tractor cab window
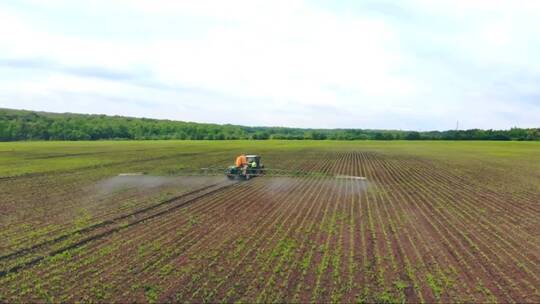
column 252, row 158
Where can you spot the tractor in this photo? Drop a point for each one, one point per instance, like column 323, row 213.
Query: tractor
column 254, row 168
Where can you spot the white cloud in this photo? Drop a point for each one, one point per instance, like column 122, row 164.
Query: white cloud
column 299, row 63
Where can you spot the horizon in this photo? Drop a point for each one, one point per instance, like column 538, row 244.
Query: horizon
column 408, row 65
column 264, row 126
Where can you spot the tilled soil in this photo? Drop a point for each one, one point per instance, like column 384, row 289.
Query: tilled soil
column 410, row 231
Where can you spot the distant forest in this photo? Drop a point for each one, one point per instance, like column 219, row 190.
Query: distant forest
column 18, row 125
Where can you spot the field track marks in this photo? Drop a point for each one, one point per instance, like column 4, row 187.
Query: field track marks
column 113, row 225
column 102, row 224
column 162, row 232
column 172, row 236
column 236, row 208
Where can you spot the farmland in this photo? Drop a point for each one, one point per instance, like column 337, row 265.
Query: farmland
column 431, row 222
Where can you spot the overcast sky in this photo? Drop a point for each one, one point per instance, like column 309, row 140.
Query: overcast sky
column 407, row 64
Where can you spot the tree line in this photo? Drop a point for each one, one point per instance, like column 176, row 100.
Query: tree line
column 18, row 125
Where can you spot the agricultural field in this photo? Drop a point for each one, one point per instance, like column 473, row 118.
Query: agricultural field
column 362, row 221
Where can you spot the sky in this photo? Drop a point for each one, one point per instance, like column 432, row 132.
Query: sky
column 407, row 64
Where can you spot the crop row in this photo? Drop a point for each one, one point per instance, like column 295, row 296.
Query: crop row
column 41, row 208
column 411, row 232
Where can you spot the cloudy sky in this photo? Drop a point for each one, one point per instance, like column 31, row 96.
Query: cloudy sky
column 407, row 64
